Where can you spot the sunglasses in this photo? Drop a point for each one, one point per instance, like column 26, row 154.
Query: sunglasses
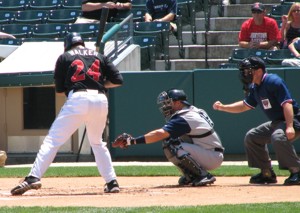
column 296, row 11
column 256, row 11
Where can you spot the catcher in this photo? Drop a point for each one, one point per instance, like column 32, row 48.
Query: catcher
column 189, row 139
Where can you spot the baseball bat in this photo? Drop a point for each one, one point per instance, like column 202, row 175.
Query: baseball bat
column 102, row 24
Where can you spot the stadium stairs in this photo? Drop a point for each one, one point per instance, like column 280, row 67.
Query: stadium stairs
column 222, row 37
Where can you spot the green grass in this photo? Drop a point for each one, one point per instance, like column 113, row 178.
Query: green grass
column 149, row 171
column 240, row 208
column 91, row 171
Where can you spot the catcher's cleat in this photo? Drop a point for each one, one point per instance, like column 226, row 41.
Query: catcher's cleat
column 112, row 187
column 27, row 184
column 261, row 179
column 183, row 181
column 293, row 179
column 204, row 180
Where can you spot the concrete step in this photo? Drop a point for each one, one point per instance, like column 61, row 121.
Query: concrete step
column 220, row 23
column 213, row 38
column 199, row 52
column 243, row 10
column 251, row 1
column 190, row 64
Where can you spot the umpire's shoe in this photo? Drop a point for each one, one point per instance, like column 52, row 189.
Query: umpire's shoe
column 112, row 187
column 28, row 183
column 293, row 179
column 260, row 178
column 204, row 180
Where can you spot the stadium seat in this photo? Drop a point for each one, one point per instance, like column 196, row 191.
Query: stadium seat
column 71, row 4
column 138, row 4
column 239, row 54
column 63, row 16
column 275, row 57
column 31, row 16
column 279, row 10
column 147, row 45
column 138, row 15
column 45, row 4
column 85, row 29
column 14, row 5
column 17, row 30
column 161, row 31
column 6, row 17
column 50, row 30
column 9, row 41
column 288, row 2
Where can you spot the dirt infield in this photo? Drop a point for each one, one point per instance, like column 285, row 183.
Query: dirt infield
column 146, row 191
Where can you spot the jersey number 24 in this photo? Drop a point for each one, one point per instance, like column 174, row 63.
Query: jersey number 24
column 79, row 74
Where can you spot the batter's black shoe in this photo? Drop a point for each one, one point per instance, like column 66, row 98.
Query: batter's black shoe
column 112, row 187
column 293, row 179
column 28, row 183
column 261, row 179
column 204, row 180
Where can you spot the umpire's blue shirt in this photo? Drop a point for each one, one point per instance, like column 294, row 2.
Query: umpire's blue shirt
column 271, row 95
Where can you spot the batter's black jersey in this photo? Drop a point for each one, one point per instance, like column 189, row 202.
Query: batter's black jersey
column 83, row 68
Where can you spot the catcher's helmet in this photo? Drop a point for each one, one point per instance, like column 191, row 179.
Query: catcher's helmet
column 247, row 65
column 72, row 39
column 165, row 101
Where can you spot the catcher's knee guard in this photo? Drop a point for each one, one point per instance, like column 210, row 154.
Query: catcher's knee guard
column 185, row 163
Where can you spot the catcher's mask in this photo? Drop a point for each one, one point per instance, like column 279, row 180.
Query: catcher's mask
column 71, row 40
column 247, row 66
column 165, row 101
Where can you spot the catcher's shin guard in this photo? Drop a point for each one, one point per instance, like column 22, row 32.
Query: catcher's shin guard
column 185, row 163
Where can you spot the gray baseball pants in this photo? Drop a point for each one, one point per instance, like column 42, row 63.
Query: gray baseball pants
column 257, row 139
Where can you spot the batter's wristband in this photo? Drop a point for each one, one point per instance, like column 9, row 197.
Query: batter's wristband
column 139, row 140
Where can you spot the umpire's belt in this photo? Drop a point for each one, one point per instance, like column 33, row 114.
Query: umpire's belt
column 87, row 90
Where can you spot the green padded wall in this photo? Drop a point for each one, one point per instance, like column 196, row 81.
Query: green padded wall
column 133, row 107
column 224, row 85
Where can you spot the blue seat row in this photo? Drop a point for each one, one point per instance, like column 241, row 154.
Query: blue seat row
column 39, row 16
column 39, row 4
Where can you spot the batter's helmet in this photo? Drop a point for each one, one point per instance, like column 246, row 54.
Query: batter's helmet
column 165, row 101
column 72, row 39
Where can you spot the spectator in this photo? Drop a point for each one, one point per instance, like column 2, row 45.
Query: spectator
column 294, row 47
column 290, row 28
column 271, row 94
column 6, row 35
column 259, row 32
column 162, row 10
column 91, row 9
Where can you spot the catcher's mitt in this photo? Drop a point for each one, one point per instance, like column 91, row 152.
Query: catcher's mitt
column 122, row 141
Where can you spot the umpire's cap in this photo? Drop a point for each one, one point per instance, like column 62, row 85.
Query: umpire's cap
column 72, row 39
column 252, row 62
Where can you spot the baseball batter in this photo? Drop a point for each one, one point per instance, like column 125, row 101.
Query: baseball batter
column 271, row 94
column 190, row 141
column 84, row 76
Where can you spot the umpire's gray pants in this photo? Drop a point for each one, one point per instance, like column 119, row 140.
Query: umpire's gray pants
column 256, row 141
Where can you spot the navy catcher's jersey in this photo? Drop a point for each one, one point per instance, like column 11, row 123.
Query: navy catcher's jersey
column 192, row 121
column 83, row 68
column 270, row 95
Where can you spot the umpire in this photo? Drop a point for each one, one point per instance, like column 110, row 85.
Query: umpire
column 271, row 94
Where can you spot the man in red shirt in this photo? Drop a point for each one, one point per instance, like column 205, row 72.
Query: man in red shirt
column 259, row 32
